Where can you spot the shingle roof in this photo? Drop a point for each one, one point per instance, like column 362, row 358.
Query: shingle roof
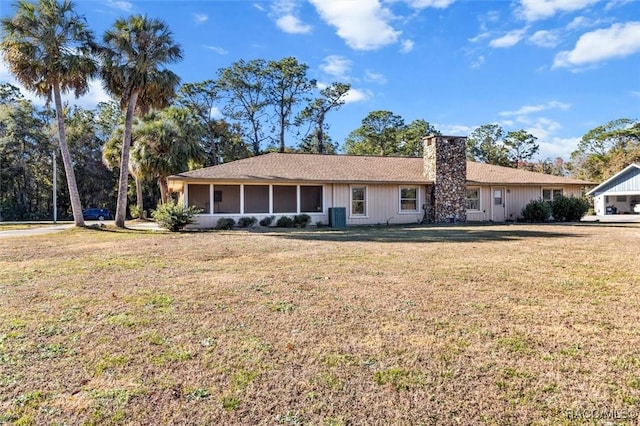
column 488, row 173
column 283, row 167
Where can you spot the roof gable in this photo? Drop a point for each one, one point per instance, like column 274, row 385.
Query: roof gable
column 628, row 179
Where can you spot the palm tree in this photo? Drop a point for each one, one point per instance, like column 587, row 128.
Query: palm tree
column 136, row 49
column 47, row 45
column 111, row 156
column 168, row 142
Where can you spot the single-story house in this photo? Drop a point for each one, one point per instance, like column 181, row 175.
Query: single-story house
column 442, row 186
column 618, row 194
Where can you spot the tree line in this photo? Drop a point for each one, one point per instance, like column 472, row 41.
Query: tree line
column 156, row 126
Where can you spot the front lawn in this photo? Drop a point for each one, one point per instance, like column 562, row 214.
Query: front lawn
column 499, row 325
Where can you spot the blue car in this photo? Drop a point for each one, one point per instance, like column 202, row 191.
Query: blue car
column 96, row 214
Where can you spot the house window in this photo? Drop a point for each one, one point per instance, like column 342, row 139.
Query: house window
column 621, row 198
column 358, row 201
column 226, row 199
column 256, row 198
column 550, row 194
column 473, row 198
column 199, row 197
column 409, row 199
column 285, row 199
column 311, row 199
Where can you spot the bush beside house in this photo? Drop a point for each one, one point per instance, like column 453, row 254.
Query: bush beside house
column 563, row 209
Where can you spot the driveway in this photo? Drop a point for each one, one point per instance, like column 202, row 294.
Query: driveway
column 613, row 218
column 40, row 230
column 49, row 229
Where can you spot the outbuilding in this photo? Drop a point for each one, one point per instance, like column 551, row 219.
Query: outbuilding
column 620, row 194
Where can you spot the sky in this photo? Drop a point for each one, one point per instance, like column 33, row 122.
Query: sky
column 555, row 68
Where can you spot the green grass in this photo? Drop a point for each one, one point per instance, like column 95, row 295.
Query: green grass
column 491, row 325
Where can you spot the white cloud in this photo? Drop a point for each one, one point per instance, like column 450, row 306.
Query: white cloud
column 617, row 41
column 373, row 77
column 583, row 22
column 616, row 3
column 218, row 50
column 356, row 95
column 455, row 129
column 557, row 147
column 543, row 128
column 635, row 93
column 478, row 62
column 480, row 37
column 530, row 109
column 200, row 18
column 125, row 6
column 336, row 66
column 292, row 25
column 508, row 40
column 407, row 46
column 544, row 38
column 258, row 6
column 423, row 4
column 215, row 113
column 362, row 24
column 95, row 95
column 534, row 10
column 286, row 15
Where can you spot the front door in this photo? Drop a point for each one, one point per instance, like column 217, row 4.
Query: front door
column 497, row 204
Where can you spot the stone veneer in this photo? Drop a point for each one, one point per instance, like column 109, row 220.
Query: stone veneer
column 445, row 164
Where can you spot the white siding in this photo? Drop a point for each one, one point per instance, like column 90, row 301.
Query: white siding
column 516, row 197
column 383, row 204
column 484, row 214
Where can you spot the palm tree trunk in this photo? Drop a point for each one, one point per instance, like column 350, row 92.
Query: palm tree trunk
column 74, row 195
column 164, row 189
column 139, row 201
column 123, row 184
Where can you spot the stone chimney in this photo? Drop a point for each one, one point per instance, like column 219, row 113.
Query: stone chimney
column 445, row 164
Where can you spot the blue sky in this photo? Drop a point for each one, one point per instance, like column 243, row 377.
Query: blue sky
column 556, row 68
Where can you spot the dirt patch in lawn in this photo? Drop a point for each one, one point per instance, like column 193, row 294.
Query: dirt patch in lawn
column 407, row 325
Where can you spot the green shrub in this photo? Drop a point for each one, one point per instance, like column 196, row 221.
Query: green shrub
column 225, row 223
column 245, row 222
column 285, row 222
column 174, row 216
column 569, row 209
column 134, row 211
column 301, row 220
column 319, row 224
column 536, row 211
column 267, row 221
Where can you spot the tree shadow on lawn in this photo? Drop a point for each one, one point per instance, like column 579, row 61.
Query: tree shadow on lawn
column 421, row 234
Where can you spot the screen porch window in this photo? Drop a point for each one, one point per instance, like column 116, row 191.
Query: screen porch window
column 285, row 199
column 199, row 197
column 256, row 198
column 311, row 199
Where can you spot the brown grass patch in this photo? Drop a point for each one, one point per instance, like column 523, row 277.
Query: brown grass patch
column 428, row 325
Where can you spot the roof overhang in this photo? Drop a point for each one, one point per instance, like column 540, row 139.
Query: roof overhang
column 621, row 172
column 280, row 180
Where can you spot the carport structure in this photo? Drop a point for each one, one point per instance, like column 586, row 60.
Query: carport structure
column 620, row 194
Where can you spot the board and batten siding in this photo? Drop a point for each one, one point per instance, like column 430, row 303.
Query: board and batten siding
column 516, row 198
column 382, row 204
